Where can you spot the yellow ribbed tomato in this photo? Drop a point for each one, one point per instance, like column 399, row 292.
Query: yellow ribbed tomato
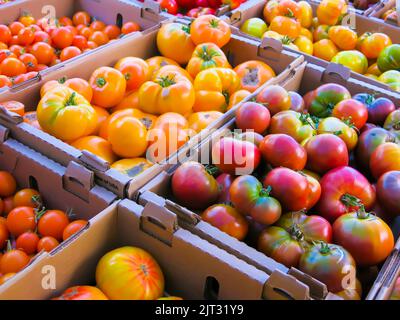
column 304, row 44
column 198, row 121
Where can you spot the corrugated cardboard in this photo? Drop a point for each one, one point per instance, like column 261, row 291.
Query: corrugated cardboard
column 193, row 268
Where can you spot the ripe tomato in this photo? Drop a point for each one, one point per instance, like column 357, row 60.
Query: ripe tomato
column 5, row 34
column 297, row 102
column 13, row 261
column 98, row 146
column 21, row 220
column 86, row 32
column 112, row 32
column 82, row 293
column 304, row 44
column 135, row 70
column 226, row 219
column 6, row 53
column 62, row 38
column 8, row 185
column 330, row 11
column 47, row 244
column 157, row 62
column 388, row 192
column 53, row 223
column 169, row 6
column 5, row 81
column 337, row 127
column 306, row 15
column 367, row 237
column 108, row 86
column 372, row 44
column 325, row 49
column 6, row 277
column 97, row 25
column 237, row 97
column 29, row 60
column 8, row 205
column 130, row 273
column 81, row 17
column 249, row 198
column 378, row 108
column 12, row 67
column 26, row 36
column 130, row 27
column 253, row 74
column 80, row 42
column 327, row 263
column 73, row 228
column 253, row 116
column 28, row 242
column 99, row 37
column 4, row 234
column 80, row 86
column 27, row 198
column 343, row 37
column 16, row 27
column 275, row 98
column 286, row 26
column 352, row 59
column 208, row 28
column 43, row 52
column 385, row 158
column 353, row 111
column 199, row 121
column 344, row 189
column 69, row 53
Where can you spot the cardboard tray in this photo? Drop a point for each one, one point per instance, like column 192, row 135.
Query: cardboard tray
column 193, row 268
column 361, row 23
column 302, row 79
column 140, row 45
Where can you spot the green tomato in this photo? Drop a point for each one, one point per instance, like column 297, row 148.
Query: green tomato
column 391, row 78
column 255, row 27
column 389, row 58
column 352, row 59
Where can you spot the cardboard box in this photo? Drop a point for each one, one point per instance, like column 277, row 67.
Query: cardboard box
column 193, row 268
column 140, row 45
column 383, row 6
column 302, row 79
column 359, row 23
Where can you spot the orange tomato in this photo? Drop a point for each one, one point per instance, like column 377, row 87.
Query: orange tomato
column 80, row 42
column 289, row 8
column 156, row 63
column 286, row 26
column 130, row 101
column 80, row 86
column 4, row 235
column 62, row 38
column 108, row 86
column 92, row 45
column 96, row 145
column 325, row 49
column 43, row 52
column 97, row 25
column 5, row 81
column 28, row 242
column 112, row 31
column 5, row 34
column 238, row 97
column 306, row 14
column 26, row 36
column 29, row 60
column 65, row 22
column 6, row 277
column 374, row 70
column 253, row 74
column 14, row 106
column 132, row 167
column 343, row 37
column 135, row 70
column 69, row 53
column 130, row 27
column 53, row 223
column 208, row 28
column 41, row 36
column 372, row 44
column 12, row 67
column 81, row 18
column 27, row 198
column 13, row 261
column 86, row 32
column 16, row 27
column 321, row 32
column 199, row 121
column 330, row 11
column 82, row 293
column 17, row 50
column 8, row 185
column 73, row 228
column 50, row 85
column 47, row 244
column 99, row 38
column 102, row 116
column 27, row 20
column 8, row 205
column 306, row 33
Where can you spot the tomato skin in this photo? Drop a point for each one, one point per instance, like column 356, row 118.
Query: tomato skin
column 329, row 11
column 8, row 185
column 4, row 235
column 389, row 58
column 281, row 150
column 62, row 38
column 385, row 158
column 339, row 128
column 169, row 5
column 326, row 98
column 224, row 181
column 286, row 26
column 276, row 98
column 47, row 244
column 372, row 44
column 392, row 123
column 326, row 152
column 254, row 74
column 326, row 263
column 98, row 146
column 135, row 70
column 21, row 220
column 388, row 192
column 27, row 242
column 199, row 121
column 343, row 37
column 367, row 237
column 130, row 273
column 52, row 224
column 353, row 110
column 338, row 183
column 194, row 187
column 226, row 219
column 13, row 261
column 82, row 293
column 208, row 28
column 81, row 86
column 157, row 62
column 253, row 116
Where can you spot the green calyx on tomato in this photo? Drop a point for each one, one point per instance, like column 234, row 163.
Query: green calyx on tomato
column 71, row 100
column 101, row 82
column 166, row 82
column 325, row 249
column 207, row 54
column 214, row 23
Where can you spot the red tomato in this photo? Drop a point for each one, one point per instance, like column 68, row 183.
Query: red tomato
column 13, row 261
column 4, row 234
column 168, row 5
column 73, row 228
column 28, row 242
column 8, row 185
column 353, row 111
column 52, row 224
column 47, row 244
column 21, row 220
column 253, row 116
column 224, row 182
column 62, row 38
column 275, row 98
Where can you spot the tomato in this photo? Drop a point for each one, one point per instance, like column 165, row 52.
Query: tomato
column 388, row 191
column 21, row 220
column 344, row 188
column 270, row 10
column 326, row 97
column 80, row 86
column 12, row 67
column 76, row 120
column 199, row 121
column 253, row 74
column 329, row 264
column 372, row 44
column 129, row 27
column 112, row 32
column 392, row 123
column 238, row 97
column 378, row 108
column 373, row 70
column 13, row 261
column 80, row 42
column 69, row 53
column 389, row 58
column 291, row 188
column 297, row 125
column 27, row 198
column 255, row 27
column 206, row 56
column 352, row 59
column 43, row 52
column 16, row 27
column 8, row 205
column 353, row 111
column 326, row 152
column 4, row 235
column 367, row 237
column 157, row 62
column 253, row 116
column 339, row 128
column 135, row 70
column 174, row 42
column 29, row 60
column 5, row 81
column 47, row 244
column 130, row 101
column 281, row 150
column 286, row 26
column 62, row 38
column 73, row 228
column 6, row 53
column 96, row 145
column 82, row 293
column 306, row 15
column 226, row 219
column 53, row 223
column 208, row 28
column 26, row 37
column 385, row 158
column 86, row 32
column 296, row 102
column 275, row 98
column 343, row 37
column 330, row 11
column 169, row 6
column 97, row 25
column 198, row 192
column 132, row 167
column 130, row 273
column 391, row 78
column 5, row 34
column 99, row 38
column 27, row 242
column 14, row 106
column 225, row 181
column 304, row 44
column 81, row 17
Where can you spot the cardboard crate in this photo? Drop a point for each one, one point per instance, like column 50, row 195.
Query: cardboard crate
column 380, row 8
column 302, row 79
column 141, row 45
column 362, row 24
column 193, row 268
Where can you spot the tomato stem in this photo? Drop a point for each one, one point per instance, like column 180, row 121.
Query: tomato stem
column 101, row 82
column 325, row 249
column 351, row 201
column 71, row 100
column 214, row 23
column 362, row 213
column 211, row 169
column 265, row 192
column 167, row 81
column 296, row 232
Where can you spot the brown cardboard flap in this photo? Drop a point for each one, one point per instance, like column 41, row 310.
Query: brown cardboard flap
column 281, row 286
column 318, row 290
column 336, row 73
column 9, row 116
column 93, row 161
column 4, row 134
column 78, row 180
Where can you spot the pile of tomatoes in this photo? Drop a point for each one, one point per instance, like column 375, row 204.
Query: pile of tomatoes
column 126, row 273
column 27, row 227
column 148, row 109
column 312, row 181
column 28, row 46
column 324, row 37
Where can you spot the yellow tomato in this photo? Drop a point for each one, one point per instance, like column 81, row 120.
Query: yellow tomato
column 96, row 145
column 374, row 70
column 306, row 33
column 304, row 44
column 201, row 120
column 132, row 167
column 325, row 49
column 306, row 14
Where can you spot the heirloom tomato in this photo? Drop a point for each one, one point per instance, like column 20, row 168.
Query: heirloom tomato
column 238, row 97
column 353, row 111
column 227, row 219
column 343, row 37
column 169, row 6
column 275, row 98
column 96, row 145
column 66, row 114
column 385, row 158
column 325, row 49
column 291, row 188
column 374, row 70
column 109, row 86
column 252, row 137
column 281, row 150
column 297, row 125
column 206, row 56
column 209, row 28
column 174, row 42
column 250, row 198
column 330, row 11
column 197, row 12
column 306, row 15
column 253, row 116
column 304, row 44
column 270, row 10
column 194, row 187
column 236, row 157
column 253, row 74
column 328, row 263
column 224, row 181
column 372, row 44
column 157, row 62
column 389, row 58
column 132, row 167
column 130, row 273
column 367, row 237
column 391, row 78
column 135, row 70
column 286, row 26
column 213, row 89
column 82, row 293
column 326, row 97
column 378, row 108
column 167, row 92
column 199, row 121
column 344, row 189
column 255, row 27
column 339, row 128
column 321, row 33
column 392, row 123
column 80, row 86
column 388, row 192
column 296, row 102
column 352, row 59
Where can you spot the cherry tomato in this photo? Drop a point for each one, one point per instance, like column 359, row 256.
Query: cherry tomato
column 21, row 220
column 53, row 223
column 8, row 185
column 47, row 244
column 13, row 261
column 27, row 198
column 28, row 242
column 73, row 228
